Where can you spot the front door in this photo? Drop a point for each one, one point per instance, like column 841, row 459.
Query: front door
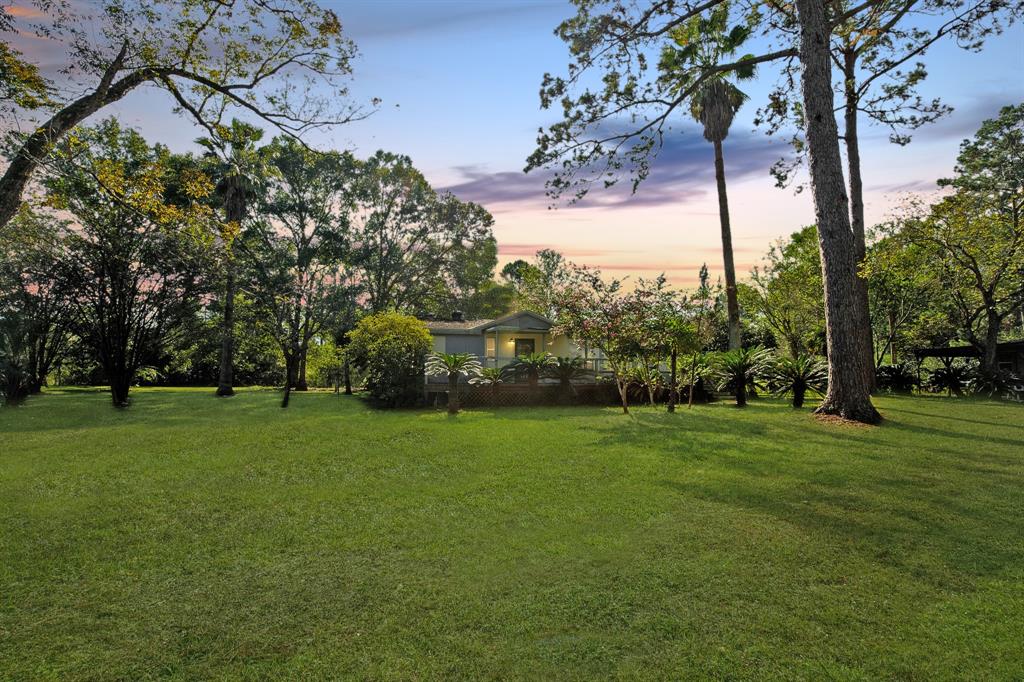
column 523, row 347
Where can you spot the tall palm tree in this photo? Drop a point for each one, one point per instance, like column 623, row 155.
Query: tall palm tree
column 699, row 45
column 238, row 168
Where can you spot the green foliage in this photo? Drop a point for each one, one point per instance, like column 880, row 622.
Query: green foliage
column 534, row 365
column 952, row 377
column 786, row 295
column 795, row 376
column 490, row 376
column 413, row 248
column 390, row 349
column 566, row 370
column 449, row 364
column 898, row 378
column 741, row 370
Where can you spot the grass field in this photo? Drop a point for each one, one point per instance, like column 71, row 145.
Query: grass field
column 191, row 537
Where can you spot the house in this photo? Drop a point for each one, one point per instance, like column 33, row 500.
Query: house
column 498, row 342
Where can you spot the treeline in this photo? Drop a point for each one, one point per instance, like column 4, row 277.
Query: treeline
column 247, row 264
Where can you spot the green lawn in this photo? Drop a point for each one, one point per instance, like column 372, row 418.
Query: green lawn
column 191, row 537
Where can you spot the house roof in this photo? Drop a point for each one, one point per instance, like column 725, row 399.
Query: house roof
column 479, row 326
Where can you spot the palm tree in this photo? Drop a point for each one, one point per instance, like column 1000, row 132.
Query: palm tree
column 566, row 370
column 238, row 168
column 534, row 364
column 740, row 369
column 452, row 365
column 490, row 376
column 700, row 44
column 796, row 376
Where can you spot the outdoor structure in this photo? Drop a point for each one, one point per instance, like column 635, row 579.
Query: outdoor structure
column 1009, row 355
column 498, row 342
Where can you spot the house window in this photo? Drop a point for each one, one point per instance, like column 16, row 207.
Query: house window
column 489, row 346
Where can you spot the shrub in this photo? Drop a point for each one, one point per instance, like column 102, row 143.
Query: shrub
column 566, row 370
column 952, row 378
column 390, row 349
column 533, row 364
column 796, row 376
column 739, row 370
column 899, row 378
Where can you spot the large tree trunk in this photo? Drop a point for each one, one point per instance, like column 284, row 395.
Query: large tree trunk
column 849, row 393
column 731, row 299
column 347, row 369
column 990, row 357
column 301, row 384
column 290, row 365
column 234, row 212
column 227, row 340
column 857, row 223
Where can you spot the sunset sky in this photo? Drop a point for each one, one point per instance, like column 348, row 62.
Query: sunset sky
column 459, row 82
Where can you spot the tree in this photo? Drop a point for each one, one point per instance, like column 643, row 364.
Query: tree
column 591, row 142
column 616, row 322
column 452, row 366
column 706, row 309
column 257, row 56
column 538, row 284
column 295, row 251
column 849, row 383
column 872, row 46
column 390, row 348
column 906, row 293
column 566, row 370
column 786, row 295
column 700, row 44
column 740, row 369
column 36, row 318
column 796, row 375
column 135, row 261
column 408, row 239
column 976, row 236
column 239, row 170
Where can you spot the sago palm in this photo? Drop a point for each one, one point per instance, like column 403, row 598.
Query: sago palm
column 452, row 365
column 534, row 365
column 492, row 377
column 699, row 45
column 740, row 369
column 566, row 370
column 797, row 375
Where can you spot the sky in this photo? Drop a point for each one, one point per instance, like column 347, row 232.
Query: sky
column 459, row 83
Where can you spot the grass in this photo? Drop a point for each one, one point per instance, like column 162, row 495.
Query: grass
column 191, row 537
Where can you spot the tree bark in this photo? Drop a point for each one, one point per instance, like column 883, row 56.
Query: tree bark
column 227, row 340
column 347, row 369
column 857, row 222
column 301, row 384
column 849, row 394
column 234, row 212
column 731, row 299
column 289, row 378
column 453, row 393
column 673, row 394
column 37, row 145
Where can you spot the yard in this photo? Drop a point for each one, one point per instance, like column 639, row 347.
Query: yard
column 191, row 537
